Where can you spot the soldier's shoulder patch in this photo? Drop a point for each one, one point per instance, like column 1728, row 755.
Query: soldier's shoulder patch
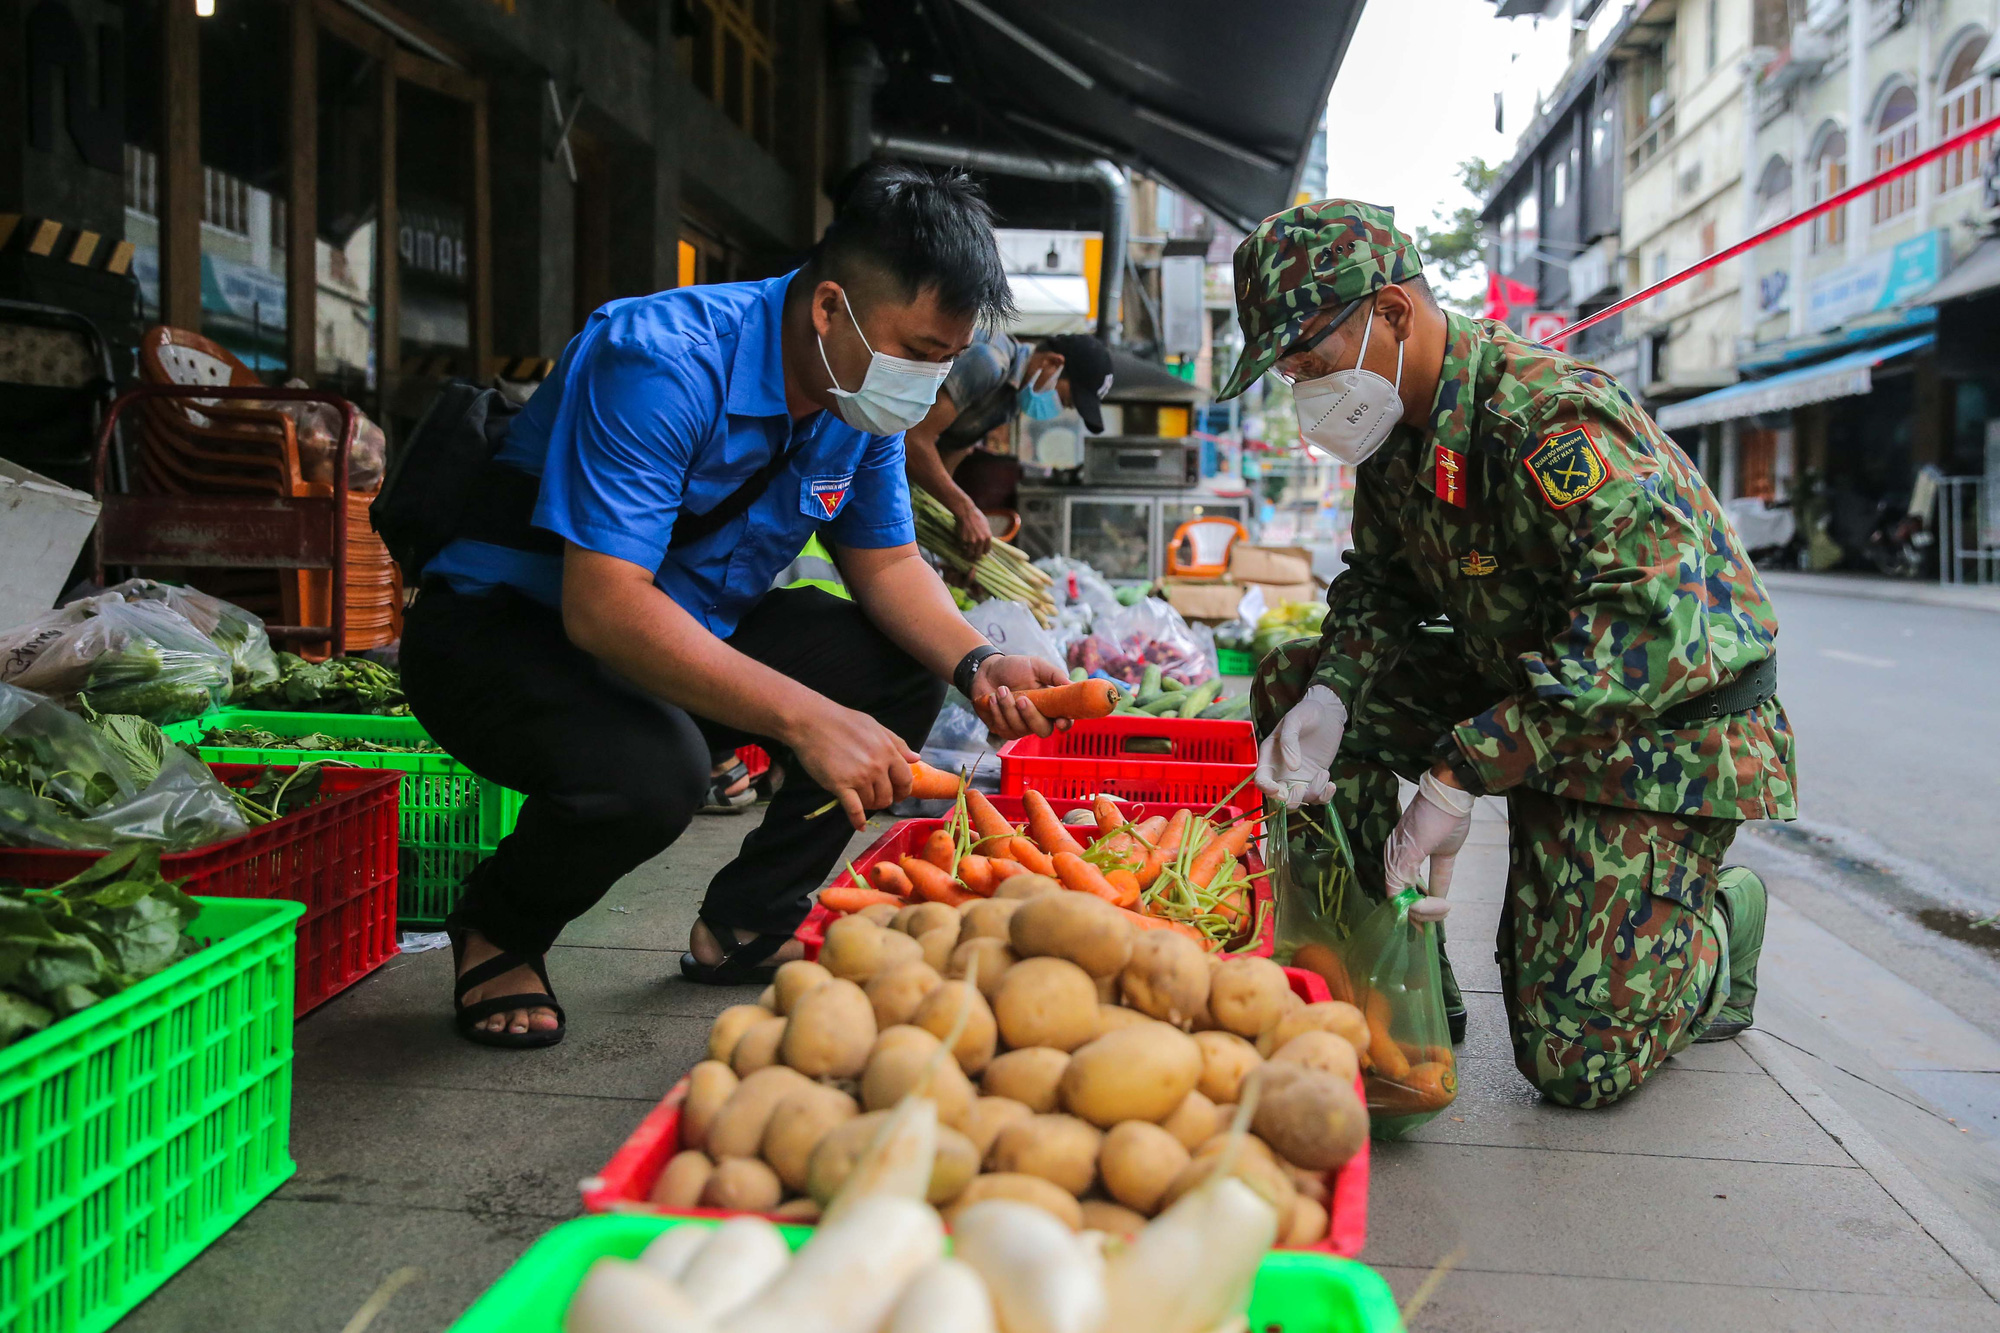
column 1568, row 466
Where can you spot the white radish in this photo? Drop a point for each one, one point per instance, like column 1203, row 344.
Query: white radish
column 618, row 1296
column 1041, row 1277
column 743, row 1256
column 947, row 1297
column 669, row 1253
column 848, row 1277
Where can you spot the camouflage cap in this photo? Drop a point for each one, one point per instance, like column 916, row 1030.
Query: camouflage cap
column 1301, row 266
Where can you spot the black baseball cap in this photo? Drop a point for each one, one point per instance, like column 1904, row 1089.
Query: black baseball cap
column 1087, row 367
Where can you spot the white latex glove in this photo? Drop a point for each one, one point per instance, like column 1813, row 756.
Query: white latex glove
column 1294, row 762
column 1433, row 828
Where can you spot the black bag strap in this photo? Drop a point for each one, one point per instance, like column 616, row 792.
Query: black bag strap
column 690, row 528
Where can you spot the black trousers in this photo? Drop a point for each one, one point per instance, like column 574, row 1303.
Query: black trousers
column 613, row 776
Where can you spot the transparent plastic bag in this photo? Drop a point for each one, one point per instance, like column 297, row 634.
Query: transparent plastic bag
column 226, row 625
column 317, row 426
column 143, row 658
column 1123, row 643
column 1012, row 627
column 1079, row 585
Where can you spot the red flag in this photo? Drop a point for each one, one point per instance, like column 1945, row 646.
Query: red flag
column 1503, row 294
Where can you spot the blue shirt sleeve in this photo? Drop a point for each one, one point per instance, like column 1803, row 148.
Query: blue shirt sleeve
column 631, row 419
column 877, row 512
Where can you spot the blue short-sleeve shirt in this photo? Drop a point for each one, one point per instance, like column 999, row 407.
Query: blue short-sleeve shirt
column 664, row 405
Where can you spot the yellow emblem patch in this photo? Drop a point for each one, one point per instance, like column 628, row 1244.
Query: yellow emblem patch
column 1567, row 467
column 1477, row 565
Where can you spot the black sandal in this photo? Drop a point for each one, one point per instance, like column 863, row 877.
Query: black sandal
column 719, row 801
column 743, row 963
column 467, row 1016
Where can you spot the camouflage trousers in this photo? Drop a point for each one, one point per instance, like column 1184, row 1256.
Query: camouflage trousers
column 1612, row 950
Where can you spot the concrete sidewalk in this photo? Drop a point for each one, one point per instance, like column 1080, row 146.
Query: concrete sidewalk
column 1731, row 1192
column 1877, row 588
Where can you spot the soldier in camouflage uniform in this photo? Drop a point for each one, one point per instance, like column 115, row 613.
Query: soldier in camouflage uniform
column 1544, row 602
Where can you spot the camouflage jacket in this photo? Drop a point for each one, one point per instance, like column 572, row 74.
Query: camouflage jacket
column 1591, row 577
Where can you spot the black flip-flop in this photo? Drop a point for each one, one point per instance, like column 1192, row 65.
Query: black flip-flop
column 467, row 1016
column 719, row 801
column 743, row 963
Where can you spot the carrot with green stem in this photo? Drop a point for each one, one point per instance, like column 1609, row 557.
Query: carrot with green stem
column 934, row 885
column 976, row 873
column 1232, row 842
column 1083, row 877
column 986, row 821
column 847, row 898
column 926, row 784
column 1164, row 848
column 1004, row 870
column 1023, row 850
column 1044, row 828
column 888, row 877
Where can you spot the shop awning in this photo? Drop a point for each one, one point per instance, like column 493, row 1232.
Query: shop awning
column 1842, row 377
column 1978, row 272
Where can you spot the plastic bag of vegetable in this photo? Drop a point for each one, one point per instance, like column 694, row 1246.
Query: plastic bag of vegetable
column 72, row 784
column 1287, row 621
column 227, row 625
column 142, row 657
column 1391, row 973
column 1124, row 643
column 337, row 685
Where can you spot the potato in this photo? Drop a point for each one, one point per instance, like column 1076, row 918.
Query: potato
column 1138, row 1073
column 1335, row 1016
column 856, row 949
column 1311, row 1118
column 742, row 1185
column 898, row 1060
column 995, row 959
column 880, row 913
column 1138, row 1162
column 986, row 919
column 938, row 944
column 1257, row 1170
column 1167, row 977
column 1031, row 1075
column 709, row 1086
column 759, row 1046
column 1058, row 1148
column 1309, row 1184
column 1196, row 1120
column 833, row 1161
column 1307, row 1225
column 802, row 1119
column 1046, row 1002
column 738, row 1128
column 895, row 992
column 1043, row 1194
column 939, row 1013
column 1247, row 995
column 793, row 980
column 830, row 1031
column 989, row 1116
column 957, row 1162
column 1226, row 1059
column 1113, row 1219
column 799, row 1210
column 1111, row 1017
column 1322, row 1051
column 1018, row 887
column 919, row 919
column 682, row 1181
column 729, row 1027
column 1088, row 931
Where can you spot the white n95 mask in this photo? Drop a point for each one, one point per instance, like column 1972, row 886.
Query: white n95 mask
column 895, row 394
column 1350, row 412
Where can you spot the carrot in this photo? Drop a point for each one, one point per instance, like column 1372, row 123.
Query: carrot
column 939, row 850
column 1149, row 830
column 1127, row 884
column 1109, row 817
column 1384, row 1055
column 986, row 821
column 930, row 784
column 934, row 885
column 1034, row 858
column 1318, row 958
column 1235, row 840
column 1164, row 847
column 1043, row 826
column 1080, row 875
column 1145, row 922
column 1083, row 698
column 977, row 875
column 852, row 898
column 1004, row 870
column 888, row 877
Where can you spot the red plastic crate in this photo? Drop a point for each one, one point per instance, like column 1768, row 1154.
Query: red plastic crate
column 627, row 1179
column 1205, row 762
column 337, row 856
column 905, row 837
column 756, row 762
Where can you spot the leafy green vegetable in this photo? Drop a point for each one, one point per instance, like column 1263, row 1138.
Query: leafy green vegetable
column 337, row 685
column 254, row 738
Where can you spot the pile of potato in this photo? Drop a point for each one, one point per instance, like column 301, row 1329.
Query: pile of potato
column 1094, row 1077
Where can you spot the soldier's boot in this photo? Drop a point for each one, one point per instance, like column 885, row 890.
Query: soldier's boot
column 1454, row 1002
column 1743, row 900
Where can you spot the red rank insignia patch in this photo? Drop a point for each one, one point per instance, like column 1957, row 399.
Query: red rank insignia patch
column 1450, row 482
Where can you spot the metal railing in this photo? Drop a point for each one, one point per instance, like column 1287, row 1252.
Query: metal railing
column 1968, row 530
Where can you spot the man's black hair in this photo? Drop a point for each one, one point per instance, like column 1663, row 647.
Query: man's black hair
column 915, row 229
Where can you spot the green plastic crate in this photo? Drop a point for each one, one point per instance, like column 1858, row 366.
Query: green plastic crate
column 137, row 1131
column 451, row 819
column 1236, row 661
column 1297, row 1291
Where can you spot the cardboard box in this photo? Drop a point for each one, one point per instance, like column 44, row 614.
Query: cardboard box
column 1207, row 600
column 1270, row 564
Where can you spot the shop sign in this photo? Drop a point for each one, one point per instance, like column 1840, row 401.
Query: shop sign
column 1774, row 292
column 431, row 242
column 252, row 294
column 1886, row 278
column 1538, row 326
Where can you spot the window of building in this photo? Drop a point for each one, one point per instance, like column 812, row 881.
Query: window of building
column 1510, row 235
column 1559, row 183
column 728, row 54
column 1829, row 177
column 1706, row 282
column 1896, row 141
column 1774, row 192
column 1967, row 99
column 1712, row 34
column 1600, row 135
column 1659, row 302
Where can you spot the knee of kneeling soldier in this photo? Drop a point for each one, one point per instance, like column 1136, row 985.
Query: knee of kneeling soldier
column 1585, row 1075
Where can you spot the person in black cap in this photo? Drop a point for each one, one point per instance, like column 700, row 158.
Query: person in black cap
column 990, row 381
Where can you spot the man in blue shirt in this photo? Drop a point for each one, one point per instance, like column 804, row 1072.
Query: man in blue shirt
column 686, row 446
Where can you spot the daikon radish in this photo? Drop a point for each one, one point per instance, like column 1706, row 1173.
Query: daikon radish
column 619, row 1296
column 946, row 1297
column 850, row 1275
column 743, row 1256
column 668, row 1256
column 1041, row 1278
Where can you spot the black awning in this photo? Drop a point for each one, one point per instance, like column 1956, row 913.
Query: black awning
column 1219, row 102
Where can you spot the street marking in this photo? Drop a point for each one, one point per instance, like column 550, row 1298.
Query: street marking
column 1858, row 659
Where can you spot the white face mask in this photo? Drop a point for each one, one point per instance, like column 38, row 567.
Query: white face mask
column 1350, row 412
column 895, row 394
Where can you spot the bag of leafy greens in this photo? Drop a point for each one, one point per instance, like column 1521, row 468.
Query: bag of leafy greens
column 143, row 658
column 227, row 625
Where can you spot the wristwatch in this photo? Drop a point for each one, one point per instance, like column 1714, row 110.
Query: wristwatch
column 968, row 667
column 1453, row 758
